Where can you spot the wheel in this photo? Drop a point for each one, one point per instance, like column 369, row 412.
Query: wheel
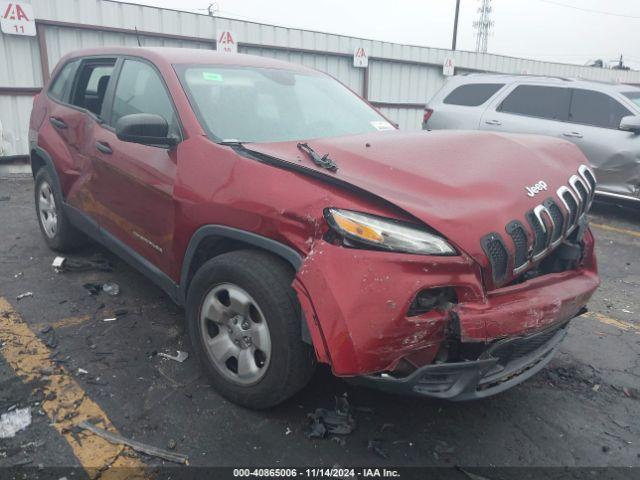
column 56, row 228
column 244, row 323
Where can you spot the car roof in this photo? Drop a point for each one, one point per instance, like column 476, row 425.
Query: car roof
column 191, row 56
column 566, row 81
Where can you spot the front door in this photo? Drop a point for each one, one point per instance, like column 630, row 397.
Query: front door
column 133, row 183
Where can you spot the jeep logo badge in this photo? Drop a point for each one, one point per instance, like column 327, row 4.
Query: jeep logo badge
column 535, row 189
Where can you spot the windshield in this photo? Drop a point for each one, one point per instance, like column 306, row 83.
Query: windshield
column 633, row 96
column 272, row 105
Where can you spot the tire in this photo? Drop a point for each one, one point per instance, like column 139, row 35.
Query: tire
column 56, row 228
column 253, row 289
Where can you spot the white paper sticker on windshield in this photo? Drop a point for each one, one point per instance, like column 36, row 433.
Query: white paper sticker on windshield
column 380, row 125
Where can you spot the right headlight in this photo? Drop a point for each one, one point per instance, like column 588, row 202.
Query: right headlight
column 386, row 233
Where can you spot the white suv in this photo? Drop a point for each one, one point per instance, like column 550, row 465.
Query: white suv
column 602, row 119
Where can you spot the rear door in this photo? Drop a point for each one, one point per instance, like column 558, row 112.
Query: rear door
column 460, row 108
column 133, row 183
column 76, row 109
column 527, row 108
column 595, row 120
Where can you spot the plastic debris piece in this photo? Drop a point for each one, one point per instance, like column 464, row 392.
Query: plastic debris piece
column 58, row 264
column 14, row 421
column 24, row 295
column 92, row 288
column 375, row 446
column 180, row 357
column 110, row 319
column 82, row 371
column 111, row 288
column 137, row 446
column 96, row 262
column 338, row 421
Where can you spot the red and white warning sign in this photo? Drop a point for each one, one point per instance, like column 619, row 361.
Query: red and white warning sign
column 448, row 67
column 227, row 42
column 16, row 18
column 360, row 58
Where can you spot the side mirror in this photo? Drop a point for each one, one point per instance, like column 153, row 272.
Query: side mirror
column 631, row 124
column 144, row 128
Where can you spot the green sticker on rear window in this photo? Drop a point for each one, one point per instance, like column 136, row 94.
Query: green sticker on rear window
column 212, row 77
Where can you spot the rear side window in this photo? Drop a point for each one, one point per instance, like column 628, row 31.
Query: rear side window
column 91, row 87
column 535, row 101
column 473, row 95
column 60, row 86
column 140, row 90
column 597, row 109
column 633, row 96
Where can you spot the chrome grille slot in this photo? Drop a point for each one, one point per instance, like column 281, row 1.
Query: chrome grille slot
column 581, row 192
column 539, row 233
column 495, row 249
column 558, row 220
column 571, row 204
column 518, row 236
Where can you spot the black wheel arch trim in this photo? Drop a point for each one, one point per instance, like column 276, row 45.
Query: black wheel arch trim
column 207, row 231
column 48, row 161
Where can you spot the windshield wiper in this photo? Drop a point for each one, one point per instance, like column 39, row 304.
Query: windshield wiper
column 324, row 162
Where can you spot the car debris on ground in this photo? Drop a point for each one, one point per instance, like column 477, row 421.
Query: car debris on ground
column 134, row 444
column 338, row 421
column 179, row 357
column 24, row 295
column 14, row 421
column 96, row 262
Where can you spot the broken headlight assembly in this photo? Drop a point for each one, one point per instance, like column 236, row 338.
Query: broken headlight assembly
column 364, row 230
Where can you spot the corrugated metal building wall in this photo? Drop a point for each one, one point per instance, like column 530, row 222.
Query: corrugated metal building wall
column 399, row 79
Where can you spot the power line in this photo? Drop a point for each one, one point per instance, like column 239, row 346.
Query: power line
column 590, row 10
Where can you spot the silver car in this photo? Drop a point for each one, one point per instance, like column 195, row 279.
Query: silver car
column 602, row 119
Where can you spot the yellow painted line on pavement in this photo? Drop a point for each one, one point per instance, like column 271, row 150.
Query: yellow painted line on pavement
column 609, row 228
column 66, row 403
column 66, row 322
column 622, row 325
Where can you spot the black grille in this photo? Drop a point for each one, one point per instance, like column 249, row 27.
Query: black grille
column 518, row 236
column 556, row 217
column 573, row 207
column 521, row 347
column 539, row 234
column 496, row 251
column 583, row 195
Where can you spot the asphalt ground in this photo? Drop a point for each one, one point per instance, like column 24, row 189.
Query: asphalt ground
column 59, row 356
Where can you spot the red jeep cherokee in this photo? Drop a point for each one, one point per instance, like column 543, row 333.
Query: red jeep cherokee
column 297, row 225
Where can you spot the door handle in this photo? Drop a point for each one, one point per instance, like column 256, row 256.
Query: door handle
column 572, row 134
column 104, row 147
column 493, row 122
column 56, row 122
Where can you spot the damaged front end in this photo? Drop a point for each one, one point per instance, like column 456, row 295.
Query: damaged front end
column 428, row 325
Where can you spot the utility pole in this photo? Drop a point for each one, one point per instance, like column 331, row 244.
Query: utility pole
column 483, row 25
column 455, row 26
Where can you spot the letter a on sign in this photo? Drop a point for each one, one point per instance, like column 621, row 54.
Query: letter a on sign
column 360, row 58
column 448, row 67
column 16, row 18
column 227, row 42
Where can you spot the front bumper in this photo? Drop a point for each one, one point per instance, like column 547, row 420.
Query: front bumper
column 502, row 366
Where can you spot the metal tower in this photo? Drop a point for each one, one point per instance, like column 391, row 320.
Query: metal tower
column 483, row 26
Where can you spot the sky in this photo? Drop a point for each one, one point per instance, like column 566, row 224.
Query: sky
column 552, row 30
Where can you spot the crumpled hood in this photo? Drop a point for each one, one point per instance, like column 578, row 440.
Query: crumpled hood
column 463, row 184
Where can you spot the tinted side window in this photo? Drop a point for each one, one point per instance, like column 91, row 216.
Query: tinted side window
column 140, row 90
column 535, row 101
column 473, row 95
column 597, row 109
column 60, row 86
column 91, row 87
